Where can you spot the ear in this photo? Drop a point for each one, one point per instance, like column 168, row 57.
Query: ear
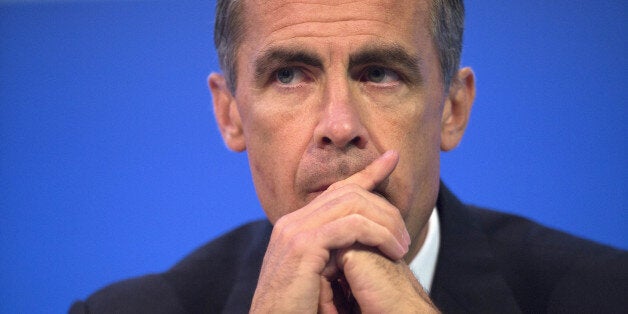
column 226, row 112
column 457, row 108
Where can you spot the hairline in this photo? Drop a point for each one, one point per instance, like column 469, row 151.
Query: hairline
column 227, row 46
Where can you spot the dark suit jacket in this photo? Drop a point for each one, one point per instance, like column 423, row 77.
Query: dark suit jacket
column 488, row 262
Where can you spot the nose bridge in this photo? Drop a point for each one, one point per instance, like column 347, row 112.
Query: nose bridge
column 340, row 124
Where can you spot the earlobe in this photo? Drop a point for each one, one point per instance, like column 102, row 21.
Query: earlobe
column 226, row 113
column 457, row 109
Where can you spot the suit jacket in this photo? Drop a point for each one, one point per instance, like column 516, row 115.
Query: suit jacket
column 488, row 262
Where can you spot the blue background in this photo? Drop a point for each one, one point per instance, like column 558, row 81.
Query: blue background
column 111, row 164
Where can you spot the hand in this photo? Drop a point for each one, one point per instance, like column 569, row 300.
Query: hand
column 378, row 285
column 300, row 259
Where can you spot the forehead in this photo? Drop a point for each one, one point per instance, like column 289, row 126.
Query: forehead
column 334, row 22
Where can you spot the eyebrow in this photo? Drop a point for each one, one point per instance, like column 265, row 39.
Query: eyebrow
column 284, row 56
column 389, row 56
column 392, row 56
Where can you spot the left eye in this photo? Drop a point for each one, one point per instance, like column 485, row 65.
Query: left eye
column 289, row 76
column 380, row 75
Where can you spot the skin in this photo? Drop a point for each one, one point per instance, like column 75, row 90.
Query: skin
column 342, row 110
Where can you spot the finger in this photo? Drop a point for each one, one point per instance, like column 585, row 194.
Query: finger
column 388, row 283
column 334, row 235
column 331, row 270
column 367, row 179
column 326, row 298
column 374, row 174
column 350, row 200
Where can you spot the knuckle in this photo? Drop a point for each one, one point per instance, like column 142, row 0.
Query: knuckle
column 284, row 229
column 299, row 242
column 353, row 186
column 336, row 185
column 346, row 187
column 354, row 197
column 355, row 221
column 280, row 223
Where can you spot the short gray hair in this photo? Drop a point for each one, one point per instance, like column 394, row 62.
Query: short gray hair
column 447, row 17
column 447, row 26
column 228, row 33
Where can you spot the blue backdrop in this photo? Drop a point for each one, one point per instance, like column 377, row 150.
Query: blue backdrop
column 111, row 164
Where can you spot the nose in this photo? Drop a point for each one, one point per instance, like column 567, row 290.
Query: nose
column 340, row 125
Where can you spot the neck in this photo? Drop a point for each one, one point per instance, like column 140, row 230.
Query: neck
column 417, row 243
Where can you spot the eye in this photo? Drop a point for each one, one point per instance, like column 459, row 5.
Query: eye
column 289, row 75
column 379, row 75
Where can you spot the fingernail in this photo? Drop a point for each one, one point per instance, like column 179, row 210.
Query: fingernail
column 388, row 153
column 403, row 250
column 406, row 236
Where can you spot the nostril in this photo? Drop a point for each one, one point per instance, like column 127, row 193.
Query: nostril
column 356, row 140
column 326, row 140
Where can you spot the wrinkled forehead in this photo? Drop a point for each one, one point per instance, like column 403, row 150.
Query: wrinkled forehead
column 391, row 8
column 272, row 20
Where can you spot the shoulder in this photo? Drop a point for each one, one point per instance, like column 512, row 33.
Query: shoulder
column 150, row 293
column 553, row 269
column 539, row 268
column 517, row 237
column 204, row 280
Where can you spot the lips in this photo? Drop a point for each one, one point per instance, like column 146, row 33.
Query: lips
column 315, row 192
column 319, row 189
column 322, row 188
column 319, row 181
column 321, row 168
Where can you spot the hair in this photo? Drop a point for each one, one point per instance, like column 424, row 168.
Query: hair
column 447, row 17
column 447, row 27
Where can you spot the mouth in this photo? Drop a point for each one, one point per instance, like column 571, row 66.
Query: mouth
column 322, row 188
column 321, row 169
column 314, row 193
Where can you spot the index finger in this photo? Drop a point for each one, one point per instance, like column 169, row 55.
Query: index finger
column 374, row 174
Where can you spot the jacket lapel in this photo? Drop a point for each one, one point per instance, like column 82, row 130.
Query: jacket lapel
column 468, row 278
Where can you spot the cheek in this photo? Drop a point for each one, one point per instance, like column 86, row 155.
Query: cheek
column 274, row 136
column 272, row 120
column 417, row 138
column 419, row 162
column 422, row 141
column 275, row 140
column 269, row 168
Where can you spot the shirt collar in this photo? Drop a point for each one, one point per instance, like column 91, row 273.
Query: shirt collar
column 424, row 263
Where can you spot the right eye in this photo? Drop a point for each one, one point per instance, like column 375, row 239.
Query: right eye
column 289, row 76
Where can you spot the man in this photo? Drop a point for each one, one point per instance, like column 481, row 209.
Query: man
column 343, row 108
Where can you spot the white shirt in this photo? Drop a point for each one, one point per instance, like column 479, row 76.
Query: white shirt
column 424, row 263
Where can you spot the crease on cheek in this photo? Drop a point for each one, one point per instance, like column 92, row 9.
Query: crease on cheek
column 266, row 190
column 273, row 168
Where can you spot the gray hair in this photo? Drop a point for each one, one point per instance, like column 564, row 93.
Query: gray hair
column 447, row 26
column 447, row 17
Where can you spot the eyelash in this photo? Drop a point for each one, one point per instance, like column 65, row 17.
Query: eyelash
column 359, row 76
column 389, row 73
column 274, row 76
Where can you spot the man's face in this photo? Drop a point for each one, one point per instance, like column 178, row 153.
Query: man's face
column 325, row 87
